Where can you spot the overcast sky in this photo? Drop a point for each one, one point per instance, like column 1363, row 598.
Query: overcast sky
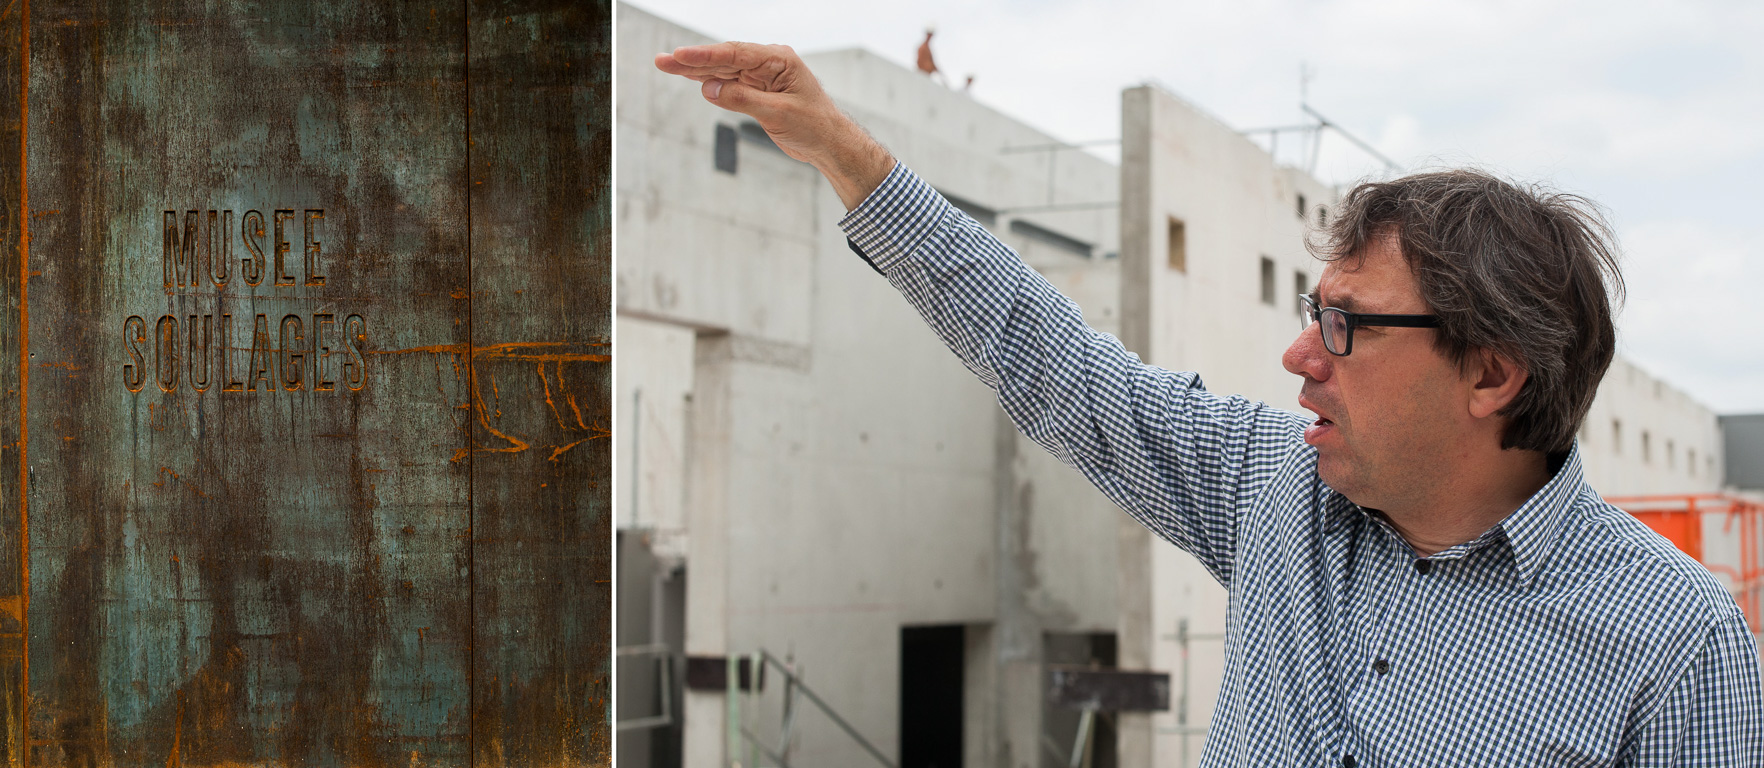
column 1654, row 110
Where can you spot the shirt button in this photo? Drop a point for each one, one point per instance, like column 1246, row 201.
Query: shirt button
column 1347, row 761
column 1381, row 666
column 1423, row 566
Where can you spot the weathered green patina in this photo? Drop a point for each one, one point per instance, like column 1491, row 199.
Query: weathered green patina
column 304, row 406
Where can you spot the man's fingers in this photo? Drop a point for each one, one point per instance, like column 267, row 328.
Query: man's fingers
column 733, row 55
column 767, row 67
column 747, row 100
column 673, row 66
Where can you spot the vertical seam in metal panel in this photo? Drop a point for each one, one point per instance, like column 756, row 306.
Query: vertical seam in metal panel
column 471, row 434
column 24, row 380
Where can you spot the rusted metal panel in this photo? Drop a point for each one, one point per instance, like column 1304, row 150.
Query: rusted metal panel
column 541, row 146
column 264, row 473
column 12, row 368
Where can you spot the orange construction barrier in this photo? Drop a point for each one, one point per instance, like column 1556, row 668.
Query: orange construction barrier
column 1680, row 518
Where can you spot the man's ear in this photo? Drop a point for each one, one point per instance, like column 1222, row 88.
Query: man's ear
column 1497, row 380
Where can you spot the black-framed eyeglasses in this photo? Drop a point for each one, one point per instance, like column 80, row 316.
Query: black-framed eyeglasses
column 1337, row 325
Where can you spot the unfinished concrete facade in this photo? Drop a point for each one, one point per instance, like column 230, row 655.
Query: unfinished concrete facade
column 823, row 469
column 804, row 469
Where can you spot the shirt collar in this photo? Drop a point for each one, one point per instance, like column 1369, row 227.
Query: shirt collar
column 1530, row 531
column 1537, row 525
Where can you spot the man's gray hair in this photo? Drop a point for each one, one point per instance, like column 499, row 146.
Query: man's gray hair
column 1523, row 271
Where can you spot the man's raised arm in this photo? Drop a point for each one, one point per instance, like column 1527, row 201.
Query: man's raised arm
column 1184, row 462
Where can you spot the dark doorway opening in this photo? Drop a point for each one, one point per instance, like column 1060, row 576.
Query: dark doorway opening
column 652, row 638
column 931, row 668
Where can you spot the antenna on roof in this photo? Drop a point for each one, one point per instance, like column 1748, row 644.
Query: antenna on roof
column 1314, row 131
column 1324, row 122
column 1305, row 73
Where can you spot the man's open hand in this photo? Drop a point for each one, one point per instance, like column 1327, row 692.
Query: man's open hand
column 771, row 84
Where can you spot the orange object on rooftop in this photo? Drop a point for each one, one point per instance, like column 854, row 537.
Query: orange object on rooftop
column 1680, row 518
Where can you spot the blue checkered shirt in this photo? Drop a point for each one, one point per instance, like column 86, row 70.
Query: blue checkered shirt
column 1567, row 635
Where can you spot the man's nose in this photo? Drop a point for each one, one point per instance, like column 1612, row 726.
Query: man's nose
column 1307, row 357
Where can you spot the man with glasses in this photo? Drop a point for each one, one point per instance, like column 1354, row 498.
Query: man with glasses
column 1418, row 575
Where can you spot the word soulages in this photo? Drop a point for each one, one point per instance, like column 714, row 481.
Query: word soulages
column 187, row 354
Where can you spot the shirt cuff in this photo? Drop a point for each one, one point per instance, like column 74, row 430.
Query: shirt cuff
column 895, row 220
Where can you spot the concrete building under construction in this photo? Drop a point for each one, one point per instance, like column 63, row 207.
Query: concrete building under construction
column 834, row 548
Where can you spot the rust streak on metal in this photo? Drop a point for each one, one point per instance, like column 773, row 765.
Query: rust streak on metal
column 560, row 449
column 509, row 351
column 164, row 471
column 599, row 432
column 516, row 445
column 175, row 760
column 570, row 397
column 548, row 401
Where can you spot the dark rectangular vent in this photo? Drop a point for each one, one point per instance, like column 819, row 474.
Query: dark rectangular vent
column 1042, row 234
column 986, row 216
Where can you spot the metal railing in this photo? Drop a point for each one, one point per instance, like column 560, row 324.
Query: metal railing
column 664, row 659
column 1081, row 751
column 744, row 742
column 1183, row 729
column 1745, row 577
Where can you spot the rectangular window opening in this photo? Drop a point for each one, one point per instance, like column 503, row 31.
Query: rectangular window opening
column 1267, row 281
column 1301, row 206
column 1178, row 245
column 1616, row 436
column 752, row 132
column 1301, row 285
column 1647, row 455
column 725, row 148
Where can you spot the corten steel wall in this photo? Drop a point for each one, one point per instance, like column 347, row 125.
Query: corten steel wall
column 306, row 351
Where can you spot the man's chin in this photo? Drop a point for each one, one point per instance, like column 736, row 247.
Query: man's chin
column 1335, row 473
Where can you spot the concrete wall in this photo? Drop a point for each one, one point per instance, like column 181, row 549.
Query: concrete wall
column 1237, row 207
column 1644, row 436
column 826, row 468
